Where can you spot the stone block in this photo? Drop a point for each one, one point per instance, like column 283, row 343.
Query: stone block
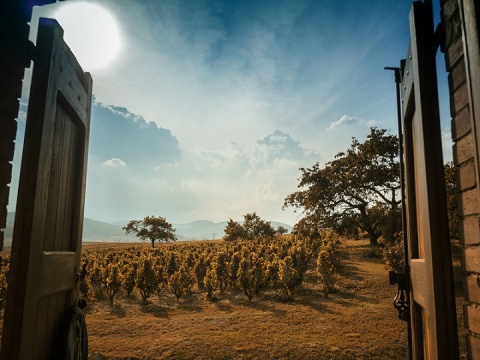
column 466, row 175
column 470, row 230
column 464, row 149
column 471, row 261
column 461, row 123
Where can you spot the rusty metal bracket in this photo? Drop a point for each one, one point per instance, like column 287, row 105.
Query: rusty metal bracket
column 401, row 302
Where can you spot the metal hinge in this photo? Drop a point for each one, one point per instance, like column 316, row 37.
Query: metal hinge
column 401, row 302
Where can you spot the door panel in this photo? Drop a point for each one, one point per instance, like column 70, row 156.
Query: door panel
column 47, row 234
column 434, row 331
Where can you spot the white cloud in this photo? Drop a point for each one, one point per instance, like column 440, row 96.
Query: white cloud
column 114, row 163
column 206, row 184
column 344, row 122
column 447, row 145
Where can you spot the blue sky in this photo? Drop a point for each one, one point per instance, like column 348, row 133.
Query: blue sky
column 207, row 109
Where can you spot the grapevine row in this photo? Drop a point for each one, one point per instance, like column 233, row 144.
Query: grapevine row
column 211, row 268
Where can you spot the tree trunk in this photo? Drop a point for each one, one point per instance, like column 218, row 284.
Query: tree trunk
column 373, row 239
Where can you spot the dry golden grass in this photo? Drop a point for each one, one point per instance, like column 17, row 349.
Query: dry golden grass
column 357, row 322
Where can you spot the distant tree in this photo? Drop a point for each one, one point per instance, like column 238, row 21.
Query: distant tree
column 151, row 229
column 281, row 230
column 253, row 227
column 234, row 231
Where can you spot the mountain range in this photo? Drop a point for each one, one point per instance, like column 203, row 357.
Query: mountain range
column 98, row 231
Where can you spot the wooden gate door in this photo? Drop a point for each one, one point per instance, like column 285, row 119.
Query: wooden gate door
column 434, row 331
column 49, row 214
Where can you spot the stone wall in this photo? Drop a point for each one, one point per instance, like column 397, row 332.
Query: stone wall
column 464, row 154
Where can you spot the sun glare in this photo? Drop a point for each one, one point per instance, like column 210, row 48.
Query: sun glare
column 91, row 32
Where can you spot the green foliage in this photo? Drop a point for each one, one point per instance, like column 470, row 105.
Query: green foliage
column 180, row 282
column 173, row 265
column 129, row 279
column 210, row 282
column 234, row 231
column 96, row 279
column 393, row 255
column 221, row 271
column 234, row 265
column 390, row 221
column 289, row 277
column 252, row 266
column 200, row 269
column 342, row 195
column 328, row 262
column 86, row 289
column 281, row 230
column 112, row 278
column 246, row 278
column 151, row 228
column 4, row 267
column 451, row 188
column 162, row 278
column 253, row 228
column 146, row 278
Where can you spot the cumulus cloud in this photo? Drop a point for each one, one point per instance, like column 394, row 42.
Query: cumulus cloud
column 280, row 148
column 347, row 121
column 114, row 163
column 447, row 144
column 206, row 184
column 117, row 133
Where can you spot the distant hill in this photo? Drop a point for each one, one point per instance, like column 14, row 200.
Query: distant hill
column 99, row 231
column 93, row 230
column 205, row 230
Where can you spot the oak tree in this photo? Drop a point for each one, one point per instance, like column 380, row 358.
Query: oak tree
column 151, row 229
column 253, row 227
column 355, row 188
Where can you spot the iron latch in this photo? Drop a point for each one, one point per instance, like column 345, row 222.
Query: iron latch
column 401, row 302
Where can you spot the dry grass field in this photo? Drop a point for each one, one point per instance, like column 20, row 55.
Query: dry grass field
column 356, row 322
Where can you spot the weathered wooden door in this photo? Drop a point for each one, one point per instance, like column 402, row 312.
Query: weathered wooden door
column 434, row 331
column 49, row 214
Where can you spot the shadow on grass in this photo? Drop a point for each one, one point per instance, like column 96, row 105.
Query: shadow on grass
column 260, row 305
column 223, row 306
column 118, row 310
column 154, row 309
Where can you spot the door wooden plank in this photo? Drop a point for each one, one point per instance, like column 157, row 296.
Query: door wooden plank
column 419, row 281
column 58, row 270
column 433, row 314
column 48, row 225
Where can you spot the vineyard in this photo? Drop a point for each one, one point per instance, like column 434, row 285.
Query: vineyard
column 211, row 268
column 288, row 297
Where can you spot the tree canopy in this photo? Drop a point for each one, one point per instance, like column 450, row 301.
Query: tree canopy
column 152, row 229
column 358, row 189
column 451, row 187
column 253, row 227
